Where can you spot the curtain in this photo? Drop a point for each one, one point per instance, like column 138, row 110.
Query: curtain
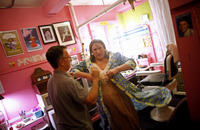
column 163, row 22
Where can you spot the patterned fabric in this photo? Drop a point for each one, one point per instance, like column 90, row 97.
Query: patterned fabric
column 157, row 97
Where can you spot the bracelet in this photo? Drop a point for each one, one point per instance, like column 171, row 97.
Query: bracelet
column 118, row 68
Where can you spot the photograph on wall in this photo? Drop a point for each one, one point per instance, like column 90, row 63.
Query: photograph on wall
column 47, row 33
column 64, row 33
column 31, row 39
column 184, row 25
column 11, row 43
column 74, row 61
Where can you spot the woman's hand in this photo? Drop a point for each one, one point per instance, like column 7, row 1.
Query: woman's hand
column 112, row 72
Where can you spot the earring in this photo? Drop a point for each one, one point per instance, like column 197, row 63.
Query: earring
column 106, row 53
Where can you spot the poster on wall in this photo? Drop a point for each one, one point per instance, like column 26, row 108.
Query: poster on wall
column 64, row 33
column 31, row 39
column 11, row 43
column 184, row 25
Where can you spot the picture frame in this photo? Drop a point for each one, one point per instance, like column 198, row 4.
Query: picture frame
column 184, row 25
column 11, row 43
column 47, row 33
column 64, row 33
column 31, row 39
column 74, row 61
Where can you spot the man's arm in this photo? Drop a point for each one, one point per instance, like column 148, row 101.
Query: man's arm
column 92, row 96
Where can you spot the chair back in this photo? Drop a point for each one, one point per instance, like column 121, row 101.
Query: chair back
column 171, row 68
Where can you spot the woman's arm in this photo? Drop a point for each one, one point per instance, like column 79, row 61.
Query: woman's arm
column 80, row 74
column 81, row 71
column 118, row 69
column 123, row 62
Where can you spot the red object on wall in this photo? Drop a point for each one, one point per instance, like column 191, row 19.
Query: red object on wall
column 188, row 48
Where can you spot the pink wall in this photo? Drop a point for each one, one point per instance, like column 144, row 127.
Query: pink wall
column 19, row 93
column 188, row 48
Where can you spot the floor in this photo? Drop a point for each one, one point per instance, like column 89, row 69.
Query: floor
column 146, row 123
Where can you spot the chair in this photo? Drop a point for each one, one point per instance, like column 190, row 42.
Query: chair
column 180, row 118
column 158, row 79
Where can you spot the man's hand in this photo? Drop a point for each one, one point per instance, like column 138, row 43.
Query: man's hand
column 95, row 73
column 71, row 73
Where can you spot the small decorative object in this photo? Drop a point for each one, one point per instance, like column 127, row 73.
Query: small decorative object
column 37, row 112
column 11, row 43
column 47, row 33
column 12, row 64
column 31, row 39
column 74, row 61
column 64, row 33
column 22, row 114
column 19, row 125
column 26, row 120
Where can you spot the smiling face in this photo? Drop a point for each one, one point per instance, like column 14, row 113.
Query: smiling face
column 183, row 26
column 98, row 51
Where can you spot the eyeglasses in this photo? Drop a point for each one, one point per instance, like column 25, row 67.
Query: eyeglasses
column 67, row 57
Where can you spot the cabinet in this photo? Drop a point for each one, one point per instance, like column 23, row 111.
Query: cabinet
column 40, row 79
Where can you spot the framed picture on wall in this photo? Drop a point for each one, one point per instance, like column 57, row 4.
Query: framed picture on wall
column 64, row 33
column 47, row 33
column 184, row 25
column 74, row 61
column 11, row 43
column 31, row 39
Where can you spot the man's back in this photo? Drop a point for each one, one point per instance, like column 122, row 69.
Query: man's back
column 67, row 97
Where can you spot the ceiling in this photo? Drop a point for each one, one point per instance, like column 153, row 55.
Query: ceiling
column 40, row 3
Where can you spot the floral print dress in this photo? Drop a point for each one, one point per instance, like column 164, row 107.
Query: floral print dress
column 157, row 97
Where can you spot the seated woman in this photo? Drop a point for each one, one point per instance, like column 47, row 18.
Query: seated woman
column 118, row 99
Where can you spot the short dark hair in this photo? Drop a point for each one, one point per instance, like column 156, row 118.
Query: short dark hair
column 53, row 55
column 182, row 19
column 92, row 58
